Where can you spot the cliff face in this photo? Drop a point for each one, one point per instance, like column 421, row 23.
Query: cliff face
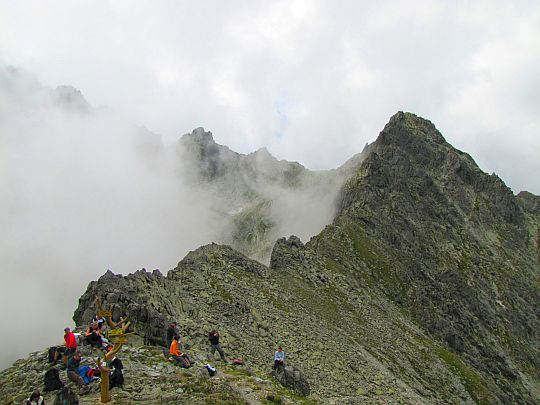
column 453, row 248
column 464, row 252
column 423, row 289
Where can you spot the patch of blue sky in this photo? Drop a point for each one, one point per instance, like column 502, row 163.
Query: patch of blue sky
column 281, row 105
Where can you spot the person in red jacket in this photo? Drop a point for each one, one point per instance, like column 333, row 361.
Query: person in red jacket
column 71, row 344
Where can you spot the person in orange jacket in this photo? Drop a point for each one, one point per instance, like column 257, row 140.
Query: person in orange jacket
column 180, row 358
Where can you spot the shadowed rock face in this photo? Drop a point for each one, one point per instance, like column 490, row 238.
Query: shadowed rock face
column 424, row 289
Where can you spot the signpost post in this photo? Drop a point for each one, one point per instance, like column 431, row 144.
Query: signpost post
column 118, row 337
column 118, row 340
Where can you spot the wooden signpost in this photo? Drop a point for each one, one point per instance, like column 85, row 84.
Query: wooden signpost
column 116, row 332
column 118, row 337
column 104, row 314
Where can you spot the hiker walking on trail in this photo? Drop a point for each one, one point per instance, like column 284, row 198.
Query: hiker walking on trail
column 73, row 369
column 35, row 399
column 180, row 358
column 172, row 330
column 213, row 337
column 279, row 358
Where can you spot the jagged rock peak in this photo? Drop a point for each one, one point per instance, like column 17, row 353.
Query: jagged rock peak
column 212, row 255
column 262, row 152
column 406, row 127
column 286, row 251
column 108, row 275
column 411, row 160
column 263, row 155
column 199, row 135
column 529, row 202
column 70, row 97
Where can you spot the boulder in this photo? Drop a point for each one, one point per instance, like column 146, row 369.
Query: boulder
column 292, row 378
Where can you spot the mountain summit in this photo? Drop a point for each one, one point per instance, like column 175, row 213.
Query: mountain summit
column 422, row 288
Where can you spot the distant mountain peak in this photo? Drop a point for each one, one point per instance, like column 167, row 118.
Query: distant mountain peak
column 70, row 97
column 199, row 135
column 263, row 151
column 406, row 127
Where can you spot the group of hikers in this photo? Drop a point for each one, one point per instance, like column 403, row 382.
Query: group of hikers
column 71, row 357
column 183, row 359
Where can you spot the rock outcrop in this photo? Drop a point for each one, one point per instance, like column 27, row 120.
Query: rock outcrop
column 291, row 377
column 149, row 380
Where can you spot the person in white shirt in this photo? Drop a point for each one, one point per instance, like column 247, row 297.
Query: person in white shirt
column 279, row 358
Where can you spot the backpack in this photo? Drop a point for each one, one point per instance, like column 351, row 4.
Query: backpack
column 86, row 373
column 66, row 397
column 93, row 373
column 117, row 378
column 211, row 370
column 117, row 364
column 51, row 353
column 52, row 380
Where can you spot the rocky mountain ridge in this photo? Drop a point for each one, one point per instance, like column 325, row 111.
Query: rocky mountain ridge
column 422, row 289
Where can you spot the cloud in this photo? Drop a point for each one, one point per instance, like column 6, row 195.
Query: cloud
column 83, row 191
column 345, row 67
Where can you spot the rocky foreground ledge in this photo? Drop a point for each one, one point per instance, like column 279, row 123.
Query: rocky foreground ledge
column 151, row 379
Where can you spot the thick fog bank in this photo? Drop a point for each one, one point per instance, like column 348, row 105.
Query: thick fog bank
column 82, row 191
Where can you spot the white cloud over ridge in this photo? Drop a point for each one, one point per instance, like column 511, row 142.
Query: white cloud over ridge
column 82, row 191
column 335, row 70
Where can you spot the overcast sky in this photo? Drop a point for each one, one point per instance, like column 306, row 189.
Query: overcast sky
column 311, row 80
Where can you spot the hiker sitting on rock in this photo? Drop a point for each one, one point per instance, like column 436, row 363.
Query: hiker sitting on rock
column 55, row 353
column 116, row 379
column 213, row 337
column 35, row 399
column 180, row 358
column 73, row 369
column 93, row 335
column 99, row 320
column 279, row 358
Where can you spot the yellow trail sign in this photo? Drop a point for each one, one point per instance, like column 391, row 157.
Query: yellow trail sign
column 119, row 339
column 116, row 332
column 104, row 314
